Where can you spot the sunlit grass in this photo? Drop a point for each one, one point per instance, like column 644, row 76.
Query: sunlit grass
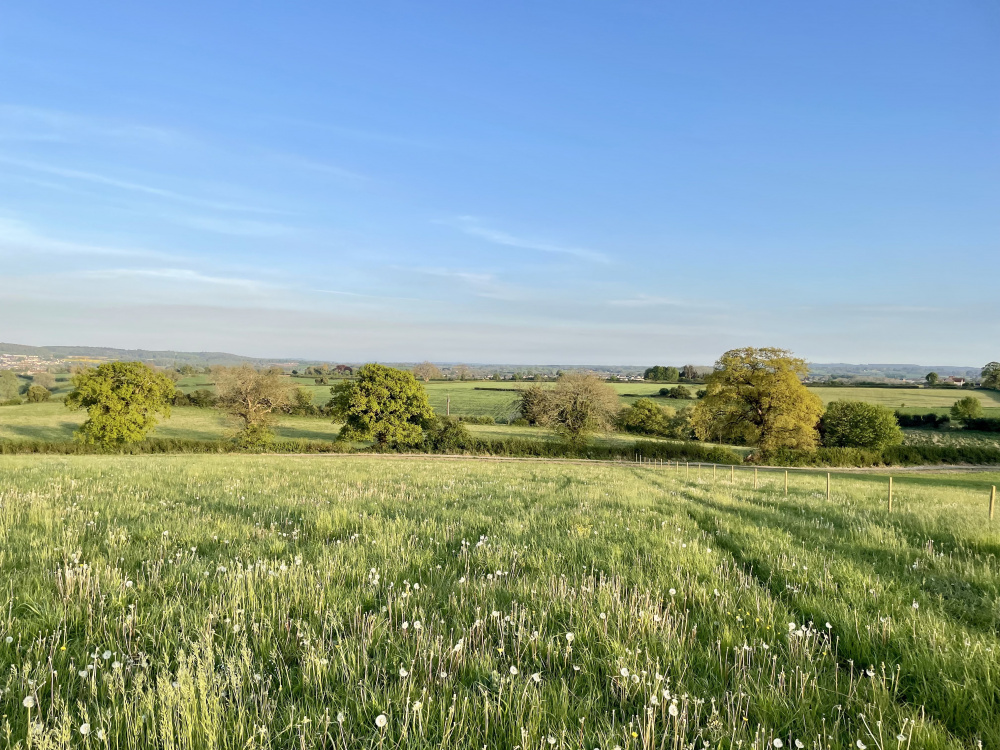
column 243, row 602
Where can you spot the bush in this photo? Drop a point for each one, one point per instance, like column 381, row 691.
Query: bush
column 520, row 422
column 644, row 417
column 982, row 424
column 447, row 436
column 11, row 402
column 856, row 424
column 679, row 391
column 37, row 394
column 477, row 419
column 930, row 420
column 967, row 408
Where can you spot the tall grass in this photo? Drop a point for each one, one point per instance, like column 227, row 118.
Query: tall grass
column 280, row 602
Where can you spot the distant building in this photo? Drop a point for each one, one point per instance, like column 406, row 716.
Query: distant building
column 960, row 382
column 343, row 370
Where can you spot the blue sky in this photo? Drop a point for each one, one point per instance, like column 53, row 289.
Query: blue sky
column 543, row 182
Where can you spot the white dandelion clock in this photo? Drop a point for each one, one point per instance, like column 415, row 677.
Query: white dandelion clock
column 381, row 720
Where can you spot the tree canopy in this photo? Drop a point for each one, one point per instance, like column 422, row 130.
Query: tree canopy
column 9, row 385
column 967, row 408
column 581, row 404
column 36, row 394
column 856, row 424
column 756, row 397
column 991, row 376
column 122, row 400
column 254, row 397
column 382, row 404
column 426, row 371
column 645, row 417
column 932, row 378
column 662, row 374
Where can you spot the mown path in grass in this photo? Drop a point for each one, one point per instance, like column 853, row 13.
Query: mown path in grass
column 287, row 602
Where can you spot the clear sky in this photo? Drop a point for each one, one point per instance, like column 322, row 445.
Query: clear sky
column 532, row 182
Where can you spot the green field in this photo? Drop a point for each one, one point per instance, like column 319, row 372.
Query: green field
column 265, row 602
column 911, row 400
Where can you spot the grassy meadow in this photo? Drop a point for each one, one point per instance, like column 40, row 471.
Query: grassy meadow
column 263, row 602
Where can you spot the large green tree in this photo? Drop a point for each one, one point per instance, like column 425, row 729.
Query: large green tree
column 991, row 376
column 122, row 400
column 756, row 397
column 382, row 404
column 856, row 424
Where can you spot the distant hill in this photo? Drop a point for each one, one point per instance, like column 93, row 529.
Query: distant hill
column 162, row 358
column 891, row 371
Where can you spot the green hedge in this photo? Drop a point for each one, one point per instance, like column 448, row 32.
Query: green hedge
column 982, row 424
column 896, row 455
column 164, row 445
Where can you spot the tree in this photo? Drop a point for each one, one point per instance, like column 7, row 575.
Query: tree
column 661, row 374
column 426, row 371
column 856, row 424
column 580, row 404
column 991, row 376
column 254, row 397
column 45, row 379
column 122, row 400
column 9, row 387
column 382, row 404
column 37, row 394
column 967, row 408
column 646, row 418
column 689, row 372
column 932, row 378
column 461, row 371
column 534, row 404
column 756, row 397
column 302, row 403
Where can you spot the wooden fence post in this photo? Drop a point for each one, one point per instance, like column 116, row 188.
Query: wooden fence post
column 890, row 494
column 786, row 481
column 715, row 471
column 732, row 473
column 755, row 477
column 993, row 500
column 687, row 469
column 828, row 485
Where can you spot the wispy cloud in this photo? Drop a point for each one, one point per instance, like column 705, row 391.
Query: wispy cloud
column 17, row 238
column 645, row 300
column 319, row 167
column 134, row 187
column 472, row 226
column 482, row 284
column 182, row 275
column 19, row 122
column 236, row 227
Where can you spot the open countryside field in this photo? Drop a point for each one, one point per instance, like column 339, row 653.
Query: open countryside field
column 261, row 602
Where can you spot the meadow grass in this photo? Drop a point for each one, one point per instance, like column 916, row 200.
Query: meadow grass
column 265, row 602
column 53, row 422
column 910, row 400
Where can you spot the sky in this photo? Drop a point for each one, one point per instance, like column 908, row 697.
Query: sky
column 522, row 182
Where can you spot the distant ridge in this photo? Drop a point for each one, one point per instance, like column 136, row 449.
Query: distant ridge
column 156, row 357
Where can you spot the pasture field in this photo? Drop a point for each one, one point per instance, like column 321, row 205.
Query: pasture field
column 957, row 438
column 324, row 602
column 910, row 400
column 53, row 422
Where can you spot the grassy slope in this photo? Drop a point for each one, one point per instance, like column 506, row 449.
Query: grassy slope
column 248, row 600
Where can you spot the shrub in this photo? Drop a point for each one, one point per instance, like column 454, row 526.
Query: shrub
column 929, row 420
column 982, row 424
column 856, row 424
column 644, row 417
column 37, row 394
column 448, row 435
column 520, row 422
column 477, row 419
column 966, row 408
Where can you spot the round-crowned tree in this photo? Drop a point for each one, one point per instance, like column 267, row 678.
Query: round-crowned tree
column 856, row 424
column 966, row 408
column 644, row 417
column 122, row 400
column 382, row 404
